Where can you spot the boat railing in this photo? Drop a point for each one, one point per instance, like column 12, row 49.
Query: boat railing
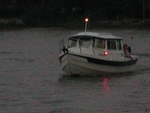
column 61, row 45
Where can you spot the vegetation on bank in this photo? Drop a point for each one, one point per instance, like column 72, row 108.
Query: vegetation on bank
column 70, row 13
column 78, row 23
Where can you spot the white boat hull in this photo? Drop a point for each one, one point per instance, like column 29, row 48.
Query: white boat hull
column 74, row 64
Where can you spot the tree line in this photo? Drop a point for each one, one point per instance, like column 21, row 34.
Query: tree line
column 43, row 11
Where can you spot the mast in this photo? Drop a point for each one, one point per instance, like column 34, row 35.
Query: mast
column 86, row 24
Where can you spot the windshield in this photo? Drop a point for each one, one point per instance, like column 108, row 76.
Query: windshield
column 72, row 43
column 100, row 43
column 114, row 45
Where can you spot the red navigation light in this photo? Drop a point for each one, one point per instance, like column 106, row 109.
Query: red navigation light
column 105, row 53
column 86, row 19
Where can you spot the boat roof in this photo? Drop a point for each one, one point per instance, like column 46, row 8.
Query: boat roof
column 97, row 35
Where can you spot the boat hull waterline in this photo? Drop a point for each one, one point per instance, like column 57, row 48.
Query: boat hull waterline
column 74, row 64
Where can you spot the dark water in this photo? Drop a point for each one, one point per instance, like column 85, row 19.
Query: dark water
column 31, row 80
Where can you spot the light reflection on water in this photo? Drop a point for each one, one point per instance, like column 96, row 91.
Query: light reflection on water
column 32, row 81
column 105, row 84
column 113, row 94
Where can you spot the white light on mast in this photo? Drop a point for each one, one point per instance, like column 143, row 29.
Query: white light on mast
column 86, row 19
column 86, row 22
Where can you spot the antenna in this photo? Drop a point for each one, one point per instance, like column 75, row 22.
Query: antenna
column 86, row 24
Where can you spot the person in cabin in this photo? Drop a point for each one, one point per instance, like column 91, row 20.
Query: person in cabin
column 101, row 44
column 127, row 51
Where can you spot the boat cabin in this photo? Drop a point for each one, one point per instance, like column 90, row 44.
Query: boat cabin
column 95, row 44
column 91, row 53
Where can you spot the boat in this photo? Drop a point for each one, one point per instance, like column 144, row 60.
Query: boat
column 91, row 53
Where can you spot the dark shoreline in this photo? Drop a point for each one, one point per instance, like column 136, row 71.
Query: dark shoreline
column 107, row 24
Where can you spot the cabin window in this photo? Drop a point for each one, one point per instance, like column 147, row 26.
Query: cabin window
column 100, row 43
column 85, row 43
column 111, row 44
column 119, row 45
column 72, row 43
